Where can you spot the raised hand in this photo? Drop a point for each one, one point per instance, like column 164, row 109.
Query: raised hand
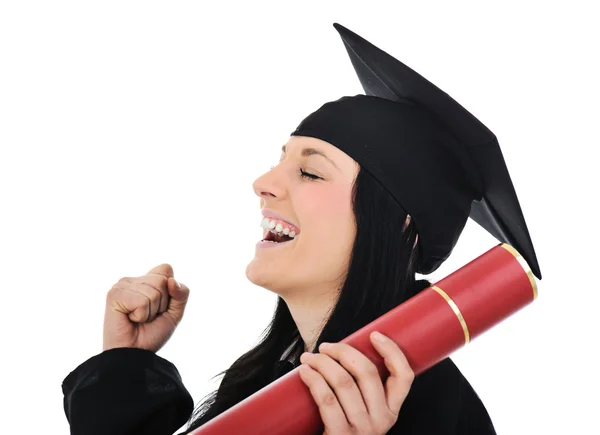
column 143, row 312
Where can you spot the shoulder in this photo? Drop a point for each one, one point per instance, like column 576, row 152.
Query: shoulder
column 442, row 402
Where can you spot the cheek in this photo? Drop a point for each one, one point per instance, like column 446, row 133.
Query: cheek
column 328, row 214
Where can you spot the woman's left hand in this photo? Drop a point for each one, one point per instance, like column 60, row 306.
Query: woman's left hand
column 347, row 388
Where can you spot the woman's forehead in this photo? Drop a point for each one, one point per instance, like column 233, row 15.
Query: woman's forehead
column 306, row 146
column 296, row 144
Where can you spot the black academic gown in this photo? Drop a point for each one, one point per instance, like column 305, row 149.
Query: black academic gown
column 128, row 391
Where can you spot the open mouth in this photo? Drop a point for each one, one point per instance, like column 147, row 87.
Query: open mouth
column 276, row 238
column 277, row 232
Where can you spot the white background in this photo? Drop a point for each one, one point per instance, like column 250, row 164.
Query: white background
column 131, row 132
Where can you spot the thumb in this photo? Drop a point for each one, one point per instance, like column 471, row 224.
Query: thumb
column 178, row 291
column 179, row 294
column 163, row 269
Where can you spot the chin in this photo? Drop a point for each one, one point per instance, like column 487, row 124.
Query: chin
column 265, row 278
column 257, row 275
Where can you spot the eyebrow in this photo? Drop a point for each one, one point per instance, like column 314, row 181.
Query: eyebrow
column 306, row 152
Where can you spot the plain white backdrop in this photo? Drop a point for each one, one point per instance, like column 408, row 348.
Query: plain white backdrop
column 130, row 134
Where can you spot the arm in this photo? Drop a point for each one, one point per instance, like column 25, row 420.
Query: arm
column 126, row 391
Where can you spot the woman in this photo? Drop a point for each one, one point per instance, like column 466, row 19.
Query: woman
column 349, row 239
column 369, row 190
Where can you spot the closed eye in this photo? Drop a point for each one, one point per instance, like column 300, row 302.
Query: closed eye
column 308, row 175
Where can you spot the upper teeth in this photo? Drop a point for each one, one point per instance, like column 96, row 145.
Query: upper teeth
column 277, row 227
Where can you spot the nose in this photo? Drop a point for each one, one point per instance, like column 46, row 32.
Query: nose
column 269, row 185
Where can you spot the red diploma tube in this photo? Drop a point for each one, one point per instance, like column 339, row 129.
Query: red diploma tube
column 428, row 327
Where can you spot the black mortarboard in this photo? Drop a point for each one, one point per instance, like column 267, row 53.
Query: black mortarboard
column 437, row 161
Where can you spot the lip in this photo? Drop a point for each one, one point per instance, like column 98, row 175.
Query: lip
column 268, row 245
column 271, row 214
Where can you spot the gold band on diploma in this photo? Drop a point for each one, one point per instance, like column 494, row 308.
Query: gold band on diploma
column 525, row 267
column 454, row 307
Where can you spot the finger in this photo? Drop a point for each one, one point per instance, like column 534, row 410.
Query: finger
column 368, row 381
column 134, row 304
column 147, row 285
column 401, row 377
column 159, row 283
column 331, row 411
column 163, row 269
column 344, row 386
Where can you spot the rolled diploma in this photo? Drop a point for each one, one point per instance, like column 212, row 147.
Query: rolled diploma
column 428, row 327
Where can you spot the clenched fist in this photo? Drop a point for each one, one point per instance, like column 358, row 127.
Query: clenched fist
column 143, row 312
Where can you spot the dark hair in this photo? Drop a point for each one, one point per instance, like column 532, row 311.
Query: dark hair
column 381, row 275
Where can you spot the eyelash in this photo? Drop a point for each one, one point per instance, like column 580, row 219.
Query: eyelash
column 306, row 175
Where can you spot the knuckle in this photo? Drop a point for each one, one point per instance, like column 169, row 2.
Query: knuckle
column 341, row 348
column 147, row 300
column 157, row 296
column 159, row 278
column 319, row 358
column 116, row 305
column 327, row 399
column 344, row 347
column 160, row 275
column 363, row 425
column 390, row 419
column 140, row 316
column 167, row 267
column 344, row 381
column 111, row 294
column 371, row 370
column 383, row 425
column 407, row 377
column 157, row 281
column 151, row 292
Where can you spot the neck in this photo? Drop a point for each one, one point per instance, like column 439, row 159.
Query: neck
column 310, row 313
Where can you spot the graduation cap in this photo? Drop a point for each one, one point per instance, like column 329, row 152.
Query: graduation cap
column 437, row 161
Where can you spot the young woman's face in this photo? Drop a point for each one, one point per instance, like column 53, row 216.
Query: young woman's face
column 319, row 211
